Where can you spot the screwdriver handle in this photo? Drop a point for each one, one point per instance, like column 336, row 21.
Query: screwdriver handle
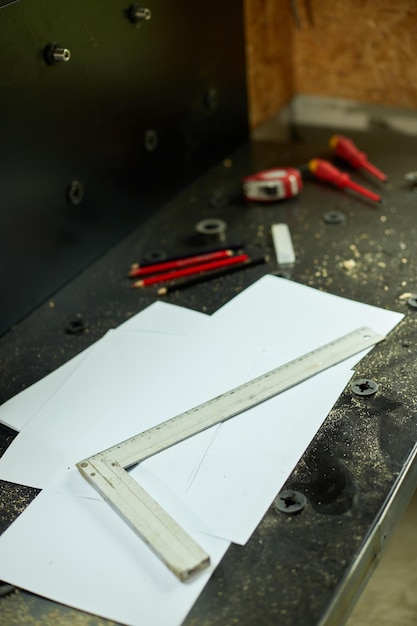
column 324, row 170
column 347, row 150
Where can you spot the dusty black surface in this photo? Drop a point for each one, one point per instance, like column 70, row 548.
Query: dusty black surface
column 291, row 567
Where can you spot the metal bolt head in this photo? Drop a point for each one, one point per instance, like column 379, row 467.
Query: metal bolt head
column 364, row 387
column 138, row 13
column 54, row 53
column 290, row 501
column 61, row 54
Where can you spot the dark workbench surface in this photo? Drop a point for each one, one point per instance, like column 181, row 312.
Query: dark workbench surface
column 358, row 472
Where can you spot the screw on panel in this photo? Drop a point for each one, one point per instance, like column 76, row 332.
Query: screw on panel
column 137, row 13
column 155, row 256
column 290, row 501
column 411, row 179
column 54, row 53
column 364, row 387
column 412, row 301
column 150, row 140
column 75, row 192
column 76, row 326
column 212, row 228
column 212, row 98
column 334, row 217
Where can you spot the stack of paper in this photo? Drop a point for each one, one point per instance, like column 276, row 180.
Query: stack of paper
column 69, row 545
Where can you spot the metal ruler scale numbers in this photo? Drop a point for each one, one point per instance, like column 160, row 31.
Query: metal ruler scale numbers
column 106, row 470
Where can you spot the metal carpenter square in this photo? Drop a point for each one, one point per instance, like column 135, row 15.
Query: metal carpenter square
column 133, row 505
column 180, row 553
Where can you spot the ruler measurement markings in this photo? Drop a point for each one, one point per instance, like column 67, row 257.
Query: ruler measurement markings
column 235, row 401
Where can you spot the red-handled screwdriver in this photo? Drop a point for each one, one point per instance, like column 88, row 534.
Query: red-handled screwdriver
column 323, row 170
column 347, row 150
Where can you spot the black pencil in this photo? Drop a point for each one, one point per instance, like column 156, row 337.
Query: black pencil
column 184, row 284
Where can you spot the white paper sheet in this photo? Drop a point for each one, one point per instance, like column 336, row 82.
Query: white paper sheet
column 277, row 320
column 159, row 317
column 282, row 315
column 165, row 318
column 232, row 483
column 78, row 552
column 130, row 382
column 19, row 410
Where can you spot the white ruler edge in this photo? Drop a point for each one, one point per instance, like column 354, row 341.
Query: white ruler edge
column 106, row 470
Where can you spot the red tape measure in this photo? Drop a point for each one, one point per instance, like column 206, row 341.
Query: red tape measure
column 273, row 184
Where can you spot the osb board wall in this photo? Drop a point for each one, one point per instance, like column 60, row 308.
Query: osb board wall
column 269, row 57
column 363, row 50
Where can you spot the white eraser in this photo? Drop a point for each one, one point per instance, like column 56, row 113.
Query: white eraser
column 281, row 238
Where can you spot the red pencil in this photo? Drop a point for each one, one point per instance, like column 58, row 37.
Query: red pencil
column 163, row 266
column 187, row 271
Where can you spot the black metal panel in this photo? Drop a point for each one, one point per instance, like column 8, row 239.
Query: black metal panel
column 91, row 146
